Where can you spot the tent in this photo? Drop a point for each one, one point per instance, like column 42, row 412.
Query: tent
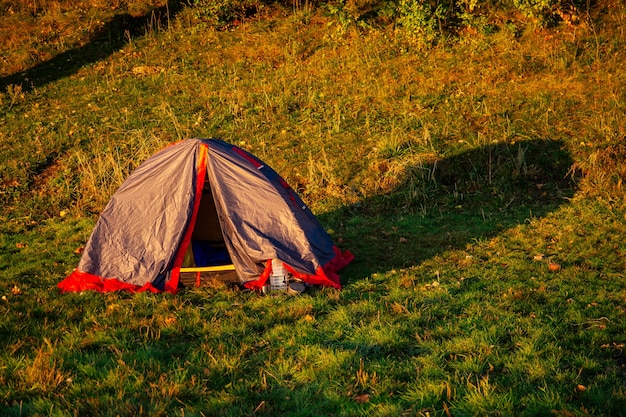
column 203, row 205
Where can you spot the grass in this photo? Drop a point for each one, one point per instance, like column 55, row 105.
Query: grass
column 478, row 181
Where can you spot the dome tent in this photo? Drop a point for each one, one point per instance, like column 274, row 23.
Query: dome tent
column 206, row 203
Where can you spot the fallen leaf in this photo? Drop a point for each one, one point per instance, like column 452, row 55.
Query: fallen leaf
column 554, row 267
column 79, row 250
column 581, row 388
column 15, row 290
column 403, row 240
column 362, row 399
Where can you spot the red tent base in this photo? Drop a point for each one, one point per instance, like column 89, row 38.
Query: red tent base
column 79, row 281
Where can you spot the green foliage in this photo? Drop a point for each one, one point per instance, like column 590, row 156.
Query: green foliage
column 340, row 14
column 536, row 8
column 421, row 19
column 219, row 13
column 427, row 21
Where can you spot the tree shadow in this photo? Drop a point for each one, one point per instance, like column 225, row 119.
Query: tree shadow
column 450, row 203
column 113, row 36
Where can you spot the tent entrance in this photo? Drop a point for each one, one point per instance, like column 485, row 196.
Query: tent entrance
column 207, row 258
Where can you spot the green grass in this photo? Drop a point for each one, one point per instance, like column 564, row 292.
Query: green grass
column 457, row 173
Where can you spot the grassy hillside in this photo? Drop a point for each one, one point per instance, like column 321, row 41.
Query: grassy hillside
column 474, row 169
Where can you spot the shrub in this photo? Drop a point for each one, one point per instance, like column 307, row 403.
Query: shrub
column 537, row 9
column 420, row 19
column 427, row 20
column 219, row 13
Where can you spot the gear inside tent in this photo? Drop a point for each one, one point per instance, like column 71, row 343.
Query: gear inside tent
column 204, row 209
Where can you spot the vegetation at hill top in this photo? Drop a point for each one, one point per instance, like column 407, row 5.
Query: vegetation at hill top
column 471, row 154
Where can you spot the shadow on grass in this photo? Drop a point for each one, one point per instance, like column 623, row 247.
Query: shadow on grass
column 113, row 36
column 448, row 204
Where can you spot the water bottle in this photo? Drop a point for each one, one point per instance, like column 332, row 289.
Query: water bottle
column 278, row 279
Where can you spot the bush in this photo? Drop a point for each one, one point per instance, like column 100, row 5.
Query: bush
column 537, row 9
column 429, row 19
column 424, row 20
column 219, row 13
column 419, row 19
